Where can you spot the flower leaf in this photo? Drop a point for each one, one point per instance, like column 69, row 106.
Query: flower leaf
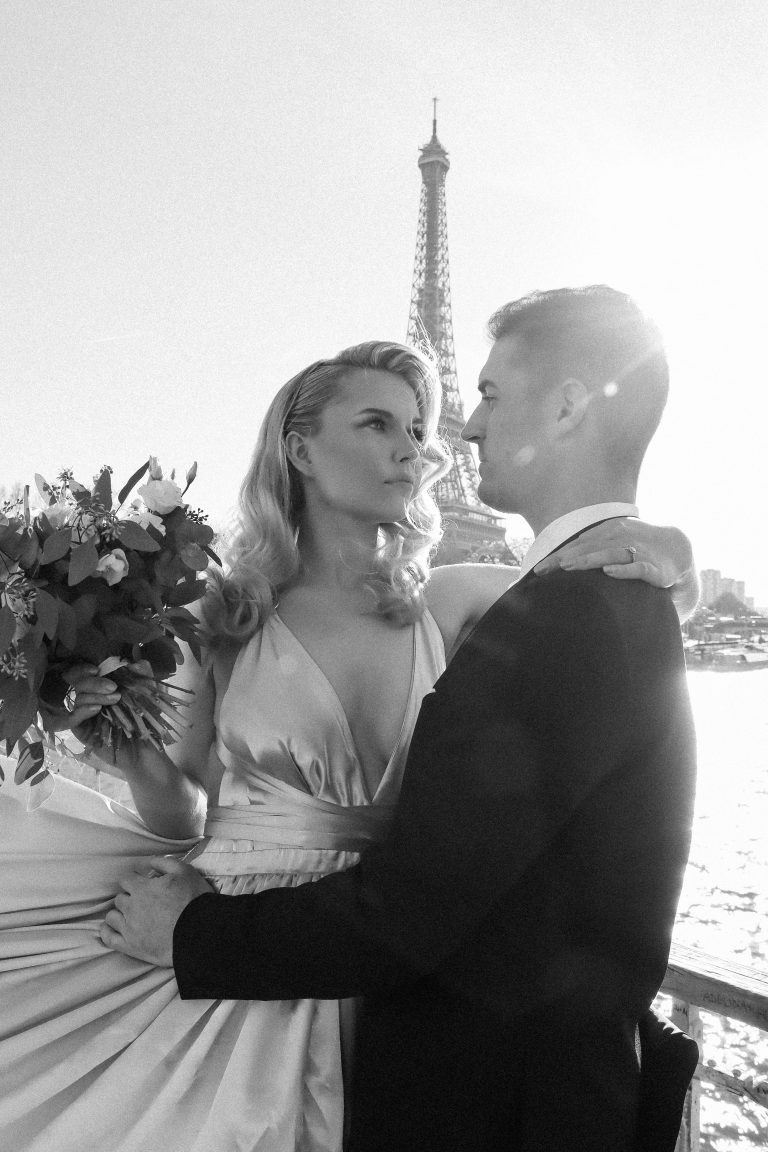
column 43, row 526
column 31, row 759
column 164, row 655
column 80, row 492
column 121, row 630
column 44, row 488
column 131, row 483
column 57, row 546
column 201, row 534
column 83, row 562
column 18, row 711
column 47, row 610
column 185, row 593
column 102, row 489
column 134, row 536
column 186, row 631
column 183, row 614
column 84, row 607
column 67, row 630
column 195, row 648
column 194, row 557
column 36, row 655
column 175, row 520
column 92, row 644
column 10, row 538
column 41, row 788
column 7, row 628
column 30, row 550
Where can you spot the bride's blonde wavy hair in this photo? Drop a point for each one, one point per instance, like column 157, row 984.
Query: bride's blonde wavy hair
column 262, row 554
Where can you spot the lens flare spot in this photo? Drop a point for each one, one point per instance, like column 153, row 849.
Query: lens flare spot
column 524, row 456
column 610, row 389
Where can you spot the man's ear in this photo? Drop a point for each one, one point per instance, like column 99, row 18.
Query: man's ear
column 573, row 399
column 297, row 451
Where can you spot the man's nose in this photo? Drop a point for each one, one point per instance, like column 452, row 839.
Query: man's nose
column 471, row 430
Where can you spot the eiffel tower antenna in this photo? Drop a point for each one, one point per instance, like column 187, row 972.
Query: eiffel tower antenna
column 468, row 522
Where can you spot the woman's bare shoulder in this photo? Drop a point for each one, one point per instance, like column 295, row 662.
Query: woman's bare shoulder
column 458, row 595
column 471, row 584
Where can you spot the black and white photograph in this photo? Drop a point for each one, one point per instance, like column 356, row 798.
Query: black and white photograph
column 383, row 576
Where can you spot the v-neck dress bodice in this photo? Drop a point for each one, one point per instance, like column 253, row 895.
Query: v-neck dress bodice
column 294, row 796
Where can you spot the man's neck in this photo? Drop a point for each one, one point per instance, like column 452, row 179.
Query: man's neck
column 561, row 501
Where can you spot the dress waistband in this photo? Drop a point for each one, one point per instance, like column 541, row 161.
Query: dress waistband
column 321, row 825
column 276, row 813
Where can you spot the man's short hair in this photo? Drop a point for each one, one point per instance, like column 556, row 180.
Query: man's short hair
column 596, row 334
column 603, row 338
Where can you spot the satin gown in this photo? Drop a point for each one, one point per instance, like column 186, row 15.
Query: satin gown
column 97, row 1050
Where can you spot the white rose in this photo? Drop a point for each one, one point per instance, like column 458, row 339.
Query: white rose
column 152, row 518
column 58, row 515
column 113, row 566
column 161, row 496
column 141, row 516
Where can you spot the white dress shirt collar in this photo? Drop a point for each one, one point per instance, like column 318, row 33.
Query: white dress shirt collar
column 560, row 530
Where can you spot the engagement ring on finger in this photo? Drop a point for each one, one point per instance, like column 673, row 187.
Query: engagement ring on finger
column 632, row 552
column 69, row 700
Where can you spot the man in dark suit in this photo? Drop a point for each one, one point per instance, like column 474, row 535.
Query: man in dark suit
column 515, row 926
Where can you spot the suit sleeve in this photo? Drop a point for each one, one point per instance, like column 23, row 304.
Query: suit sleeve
column 535, row 712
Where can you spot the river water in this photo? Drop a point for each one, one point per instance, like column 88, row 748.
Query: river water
column 724, row 904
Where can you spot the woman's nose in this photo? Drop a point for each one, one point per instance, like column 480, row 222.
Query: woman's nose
column 408, row 449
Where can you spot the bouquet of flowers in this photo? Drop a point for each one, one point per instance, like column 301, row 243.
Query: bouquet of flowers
column 90, row 580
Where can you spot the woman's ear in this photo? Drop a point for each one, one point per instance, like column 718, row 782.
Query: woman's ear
column 573, row 399
column 297, row 451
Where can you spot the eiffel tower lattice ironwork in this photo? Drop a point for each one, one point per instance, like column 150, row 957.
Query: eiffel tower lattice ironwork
column 468, row 522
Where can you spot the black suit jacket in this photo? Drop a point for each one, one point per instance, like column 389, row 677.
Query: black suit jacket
column 516, row 923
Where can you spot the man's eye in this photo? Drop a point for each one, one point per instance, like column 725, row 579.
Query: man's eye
column 419, row 435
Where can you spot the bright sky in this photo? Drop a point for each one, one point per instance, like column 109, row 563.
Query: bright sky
column 202, row 196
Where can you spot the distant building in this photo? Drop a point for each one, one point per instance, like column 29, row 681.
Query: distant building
column 710, row 585
column 714, row 585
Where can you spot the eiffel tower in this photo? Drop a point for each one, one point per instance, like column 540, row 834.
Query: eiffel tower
column 468, row 522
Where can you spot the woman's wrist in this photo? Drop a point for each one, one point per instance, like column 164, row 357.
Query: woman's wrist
column 169, row 802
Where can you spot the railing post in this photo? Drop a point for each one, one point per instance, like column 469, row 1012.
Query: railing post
column 686, row 1016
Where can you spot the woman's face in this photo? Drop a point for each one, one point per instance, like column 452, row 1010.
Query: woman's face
column 365, row 460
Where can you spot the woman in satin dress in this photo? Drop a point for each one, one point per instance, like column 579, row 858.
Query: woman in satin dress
column 322, row 639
